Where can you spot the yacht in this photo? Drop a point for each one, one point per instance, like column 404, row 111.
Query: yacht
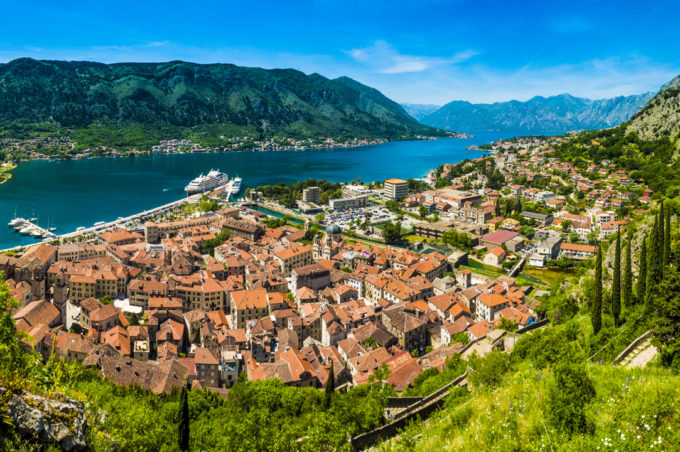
column 203, row 183
column 236, row 185
column 37, row 232
column 16, row 222
column 26, row 230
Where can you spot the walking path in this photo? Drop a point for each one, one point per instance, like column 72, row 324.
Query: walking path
column 640, row 355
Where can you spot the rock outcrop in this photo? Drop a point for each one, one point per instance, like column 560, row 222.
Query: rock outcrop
column 60, row 422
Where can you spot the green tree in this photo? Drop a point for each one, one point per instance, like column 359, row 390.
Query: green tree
column 183, row 440
column 596, row 306
column 207, row 205
column 497, row 208
column 641, row 285
column 507, row 325
column 566, row 225
column 666, row 318
column 330, row 388
column 495, row 180
column 569, row 394
column 392, row 232
column 653, row 260
column 461, row 337
column 208, row 246
column 628, row 274
column 661, row 240
column 423, row 211
column 13, row 357
column 616, row 281
column 667, row 238
column 527, row 231
column 488, row 371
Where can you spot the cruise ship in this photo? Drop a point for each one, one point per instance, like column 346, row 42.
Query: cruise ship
column 236, row 185
column 203, row 183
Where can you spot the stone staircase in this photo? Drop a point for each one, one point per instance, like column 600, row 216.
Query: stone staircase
column 639, row 353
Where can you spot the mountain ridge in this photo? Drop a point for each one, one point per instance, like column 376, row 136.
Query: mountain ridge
column 78, row 94
column 561, row 112
column 660, row 117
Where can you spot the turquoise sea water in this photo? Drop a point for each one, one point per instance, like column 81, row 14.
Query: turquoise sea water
column 69, row 194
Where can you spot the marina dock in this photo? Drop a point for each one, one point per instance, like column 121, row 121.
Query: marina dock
column 49, row 236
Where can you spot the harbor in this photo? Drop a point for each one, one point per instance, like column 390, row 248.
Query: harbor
column 76, row 193
column 31, row 228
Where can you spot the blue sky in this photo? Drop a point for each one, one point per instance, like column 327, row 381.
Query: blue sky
column 421, row 51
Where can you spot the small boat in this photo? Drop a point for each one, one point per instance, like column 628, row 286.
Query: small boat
column 37, row 233
column 52, row 229
column 100, row 223
column 33, row 219
column 15, row 222
column 81, row 228
column 236, row 185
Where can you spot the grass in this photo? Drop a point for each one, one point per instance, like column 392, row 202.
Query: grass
column 549, row 276
column 495, row 272
column 633, row 410
column 412, row 238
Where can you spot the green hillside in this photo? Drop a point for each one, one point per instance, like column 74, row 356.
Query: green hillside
column 176, row 98
column 660, row 118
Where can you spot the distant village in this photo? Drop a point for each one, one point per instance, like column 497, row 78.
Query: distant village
column 41, row 148
column 149, row 306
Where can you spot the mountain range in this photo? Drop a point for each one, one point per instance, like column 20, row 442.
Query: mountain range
column 537, row 115
column 419, row 111
column 179, row 94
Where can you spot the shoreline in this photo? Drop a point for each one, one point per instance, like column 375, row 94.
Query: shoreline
column 146, row 153
column 5, row 171
column 155, row 207
column 460, row 135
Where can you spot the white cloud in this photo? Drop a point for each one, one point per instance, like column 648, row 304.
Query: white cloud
column 381, row 57
column 595, row 79
column 402, row 77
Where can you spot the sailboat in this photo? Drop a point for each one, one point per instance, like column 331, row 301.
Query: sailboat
column 15, row 221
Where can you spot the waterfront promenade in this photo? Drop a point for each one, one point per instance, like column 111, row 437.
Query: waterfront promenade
column 125, row 221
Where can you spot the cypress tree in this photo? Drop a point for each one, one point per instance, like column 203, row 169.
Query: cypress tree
column 653, row 258
column 616, row 283
column 184, row 420
column 330, row 388
column 596, row 308
column 628, row 274
column 497, row 209
column 661, row 239
column 641, row 288
column 667, row 239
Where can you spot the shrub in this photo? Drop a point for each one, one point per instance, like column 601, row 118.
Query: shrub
column 568, row 397
column 489, row 371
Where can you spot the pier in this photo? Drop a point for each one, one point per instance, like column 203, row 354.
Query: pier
column 120, row 222
column 45, row 233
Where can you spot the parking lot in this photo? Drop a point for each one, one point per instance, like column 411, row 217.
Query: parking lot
column 372, row 214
